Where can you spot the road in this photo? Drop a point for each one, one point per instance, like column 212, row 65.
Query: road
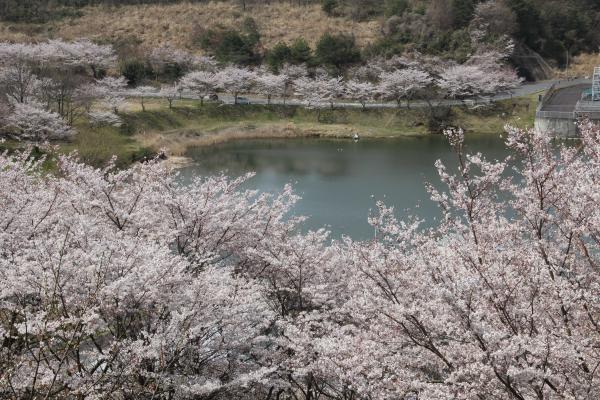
column 565, row 100
column 523, row 90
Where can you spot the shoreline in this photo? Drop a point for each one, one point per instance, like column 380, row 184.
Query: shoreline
column 177, row 144
column 145, row 133
column 185, row 141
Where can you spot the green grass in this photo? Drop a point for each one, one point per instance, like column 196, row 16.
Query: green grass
column 519, row 112
column 212, row 117
column 97, row 145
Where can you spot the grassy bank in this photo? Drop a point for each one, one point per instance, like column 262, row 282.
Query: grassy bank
column 188, row 124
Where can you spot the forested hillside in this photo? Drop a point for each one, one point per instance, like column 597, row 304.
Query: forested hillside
column 254, row 31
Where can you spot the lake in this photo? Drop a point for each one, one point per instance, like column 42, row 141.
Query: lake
column 341, row 180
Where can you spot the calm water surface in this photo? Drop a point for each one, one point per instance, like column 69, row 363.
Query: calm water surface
column 340, row 180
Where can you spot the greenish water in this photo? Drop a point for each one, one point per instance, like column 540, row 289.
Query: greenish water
column 340, row 180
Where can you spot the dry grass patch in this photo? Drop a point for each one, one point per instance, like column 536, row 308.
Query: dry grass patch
column 9, row 34
column 173, row 24
column 178, row 142
column 582, row 66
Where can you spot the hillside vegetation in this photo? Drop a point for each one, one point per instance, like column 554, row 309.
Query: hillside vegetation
column 174, row 24
column 556, row 29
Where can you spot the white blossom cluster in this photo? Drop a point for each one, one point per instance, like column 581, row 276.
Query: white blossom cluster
column 399, row 80
column 125, row 284
column 44, row 86
column 65, row 80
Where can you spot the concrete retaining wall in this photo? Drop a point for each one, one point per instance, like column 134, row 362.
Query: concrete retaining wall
column 560, row 120
column 559, row 127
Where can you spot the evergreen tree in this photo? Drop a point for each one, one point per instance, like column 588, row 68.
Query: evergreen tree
column 300, row 52
column 278, row 55
column 462, row 11
column 337, row 51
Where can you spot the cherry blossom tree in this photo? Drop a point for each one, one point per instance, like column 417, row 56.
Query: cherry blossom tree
column 58, row 89
column 31, row 121
column 59, row 81
column 18, row 82
column 120, row 283
column 96, row 57
column 127, row 283
column 202, row 83
column 25, row 54
column 51, row 78
column 291, row 72
column 332, row 88
column 315, row 93
column 236, row 81
column 269, row 84
column 403, row 84
column 163, row 57
column 205, row 63
column 492, row 59
column 170, row 93
column 103, row 117
column 498, row 301
column 360, row 91
column 319, row 90
column 143, row 92
column 17, row 78
column 59, row 53
column 463, row 81
column 310, row 91
column 112, row 90
column 433, row 65
column 85, row 96
column 84, row 52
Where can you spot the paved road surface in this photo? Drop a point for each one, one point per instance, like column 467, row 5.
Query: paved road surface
column 564, row 100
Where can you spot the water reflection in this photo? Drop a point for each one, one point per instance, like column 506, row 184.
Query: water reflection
column 341, row 180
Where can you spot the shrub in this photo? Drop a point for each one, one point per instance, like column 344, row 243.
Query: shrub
column 135, row 71
column 337, row 51
column 396, row 7
column 438, row 119
column 329, row 7
column 278, row 55
column 229, row 46
column 462, row 11
column 250, row 29
column 300, row 52
column 384, row 47
column 363, row 10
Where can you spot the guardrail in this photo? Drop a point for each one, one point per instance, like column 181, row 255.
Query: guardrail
column 555, row 114
column 588, row 106
column 560, row 85
column 549, row 93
